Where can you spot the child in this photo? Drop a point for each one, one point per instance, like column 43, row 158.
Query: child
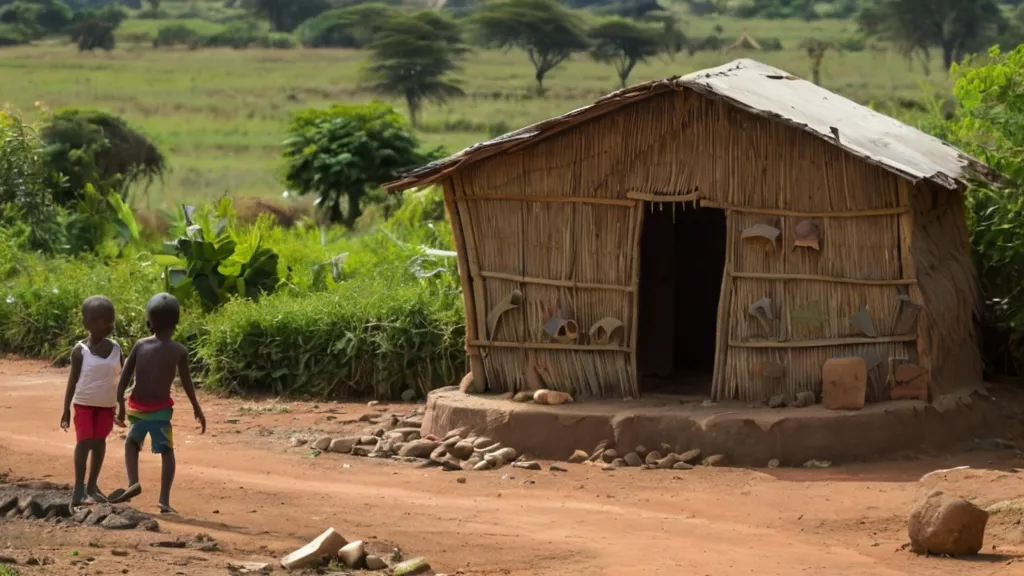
column 153, row 362
column 92, row 389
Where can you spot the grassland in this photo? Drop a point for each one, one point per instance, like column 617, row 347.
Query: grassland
column 220, row 114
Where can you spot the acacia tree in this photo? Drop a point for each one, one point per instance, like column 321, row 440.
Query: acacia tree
column 624, row 43
column 546, row 31
column 412, row 57
column 343, row 152
column 286, row 15
column 816, row 50
column 957, row 27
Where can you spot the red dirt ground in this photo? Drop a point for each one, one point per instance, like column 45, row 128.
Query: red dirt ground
column 243, row 485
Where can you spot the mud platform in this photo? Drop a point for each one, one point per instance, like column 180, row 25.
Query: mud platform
column 747, row 436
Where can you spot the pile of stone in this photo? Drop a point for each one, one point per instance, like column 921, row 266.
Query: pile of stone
column 668, row 458
column 49, row 502
column 331, row 547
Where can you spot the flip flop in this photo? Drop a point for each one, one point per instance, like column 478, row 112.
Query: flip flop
column 115, row 494
column 131, row 492
column 97, row 497
column 164, row 509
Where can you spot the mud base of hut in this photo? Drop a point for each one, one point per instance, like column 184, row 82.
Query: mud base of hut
column 750, row 437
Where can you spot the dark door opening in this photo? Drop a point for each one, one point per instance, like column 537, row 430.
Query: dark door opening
column 682, row 258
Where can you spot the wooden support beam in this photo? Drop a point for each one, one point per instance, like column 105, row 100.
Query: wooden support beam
column 550, row 282
column 548, row 346
column 816, row 278
column 822, row 343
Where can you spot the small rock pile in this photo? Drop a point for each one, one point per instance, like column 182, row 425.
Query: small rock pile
column 668, row 458
column 49, row 502
column 332, row 548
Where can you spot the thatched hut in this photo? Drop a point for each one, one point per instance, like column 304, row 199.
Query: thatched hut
column 721, row 234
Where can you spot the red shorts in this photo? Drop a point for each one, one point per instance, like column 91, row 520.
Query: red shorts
column 93, row 422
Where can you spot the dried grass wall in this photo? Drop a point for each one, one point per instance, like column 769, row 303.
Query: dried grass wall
column 553, row 221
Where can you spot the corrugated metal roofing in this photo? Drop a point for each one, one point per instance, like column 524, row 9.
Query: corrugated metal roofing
column 771, row 93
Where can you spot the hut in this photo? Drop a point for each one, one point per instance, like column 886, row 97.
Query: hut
column 719, row 235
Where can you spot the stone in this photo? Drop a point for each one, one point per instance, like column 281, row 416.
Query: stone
column 666, row 449
column 844, row 383
column 633, row 459
column 668, row 462
column 407, row 433
column 609, row 455
column 777, row 401
column 682, row 466
column 773, row 463
column 803, row 399
column 7, row 505
column 641, row 451
column 483, row 465
column 150, row 525
column 322, row 443
column 439, row 454
column 461, row 479
column 98, row 514
column 419, row 448
column 363, row 450
column 343, row 445
column 608, row 468
column 495, row 460
column 471, row 463
column 248, row 567
column 526, row 465
column 462, row 449
column 482, row 442
column 368, row 440
column 466, row 384
column 116, row 522
column 652, row 457
column 450, row 463
column 412, row 567
column 620, row 463
column 455, row 433
column 523, row 396
column 578, row 457
column 489, row 449
column 941, row 523
column 690, row 456
column 352, row 554
column 813, row 463
column 715, row 460
column 551, row 397
column 557, row 468
column 409, row 396
column 374, row 562
column 30, row 508
column 507, row 454
column 324, row 545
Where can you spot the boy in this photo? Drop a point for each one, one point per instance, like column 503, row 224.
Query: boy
column 153, row 362
column 92, row 389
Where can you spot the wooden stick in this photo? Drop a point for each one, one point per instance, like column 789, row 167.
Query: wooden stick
column 780, row 212
column 664, row 197
column 549, row 346
column 479, row 294
column 909, row 270
column 822, row 343
column 816, row 278
column 553, row 199
column 724, row 302
column 476, row 363
column 634, row 328
column 550, row 282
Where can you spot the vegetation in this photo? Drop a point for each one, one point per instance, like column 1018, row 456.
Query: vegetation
column 624, row 44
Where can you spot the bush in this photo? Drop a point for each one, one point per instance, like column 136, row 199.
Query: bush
column 177, row 35
column 14, row 35
column 26, row 203
column 239, row 35
column 280, row 41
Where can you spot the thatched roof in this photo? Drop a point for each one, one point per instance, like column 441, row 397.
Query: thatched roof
column 768, row 92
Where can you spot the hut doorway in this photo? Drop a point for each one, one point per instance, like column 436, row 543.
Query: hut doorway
column 682, row 259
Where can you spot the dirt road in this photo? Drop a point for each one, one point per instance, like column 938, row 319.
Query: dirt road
column 242, row 484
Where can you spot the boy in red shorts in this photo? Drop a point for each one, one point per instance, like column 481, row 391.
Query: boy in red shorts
column 153, row 362
column 92, row 390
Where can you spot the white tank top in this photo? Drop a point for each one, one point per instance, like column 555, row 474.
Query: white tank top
column 97, row 384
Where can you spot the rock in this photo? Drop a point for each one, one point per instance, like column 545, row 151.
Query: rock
column 30, row 508
column 609, row 455
column 557, row 468
column 462, row 450
column 652, row 457
column 412, row 567
column 495, row 460
column 844, row 383
column 439, row 454
column 489, row 449
column 98, row 514
column 116, row 522
column 803, row 399
column 248, row 567
column 944, row 524
column 578, row 457
column 343, row 445
column 777, row 401
column 326, row 544
column 817, row 464
column 407, row 433
column 668, row 462
column 682, row 466
column 715, row 460
column 523, row 396
column 466, row 384
column 375, row 563
column 641, row 451
column 322, row 443
column 149, row 525
column 619, row 463
column 451, row 463
column 471, row 463
column 551, row 397
column 461, row 479
column 7, row 505
column 363, row 450
column 482, row 442
column 507, row 454
column 295, row 442
column 352, row 554
column 449, row 443
column 666, row 449
column 526, row 465
column 608, row 468
column 483, row 465
column 773, row 463
column 409, row 396
column 455, row 433
column 633, row 459
column 419, row 448
column 690, row 456
column 368, row 440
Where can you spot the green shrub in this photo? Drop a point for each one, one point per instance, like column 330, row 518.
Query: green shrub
column 352, row 27
column 14, row 35
column 26, row 201
column 280, row 41
column 240, row 34
column 177, row 35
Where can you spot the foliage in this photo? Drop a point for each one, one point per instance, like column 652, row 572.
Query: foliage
column 816, row 50
column 25, row 198
column 177, row 35
column 989, row 124
column 37, row 18
column 547, row 32
column 624, row 44
column 14, row 35
column 342, row 152
column 352, row 27
column 94, row 28
column 412, row 58
column 99, row 150
column 957, row 27
column 286, row 15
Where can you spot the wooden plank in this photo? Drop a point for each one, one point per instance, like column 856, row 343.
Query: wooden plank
column 816, row 278
column 822, row 343
column 476, row 363
column 550, row 282
column 553, row 199
column 549, row 346
column 664, row 197
column 634, row 327
column 780, row 212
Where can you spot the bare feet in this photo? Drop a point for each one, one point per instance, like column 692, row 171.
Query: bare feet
column 118, row 496
column 166, row 509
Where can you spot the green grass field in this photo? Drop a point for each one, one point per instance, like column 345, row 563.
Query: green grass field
column 220, row 114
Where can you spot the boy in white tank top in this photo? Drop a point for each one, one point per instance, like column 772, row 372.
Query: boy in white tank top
column 92, row 390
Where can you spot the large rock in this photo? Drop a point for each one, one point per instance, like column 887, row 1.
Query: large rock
column 353, row 554
column 462, row 449
column 578, row 457
column 343, row 445
column 844, row 383
column 944, row 524
column 375, row 563
column 419, row 448
column 326, row 544
column 322, row 443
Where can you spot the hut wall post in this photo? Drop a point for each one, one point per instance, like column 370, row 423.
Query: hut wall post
column 718, row 382
column 908, row 266
column 472, row 292
column 638, row 225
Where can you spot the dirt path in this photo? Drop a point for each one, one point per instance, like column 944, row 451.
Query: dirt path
column 242, row 484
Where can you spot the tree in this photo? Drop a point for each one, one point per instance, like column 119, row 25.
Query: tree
column 816, row 50
column 352, row 27
column 94, row 28
column 341, row 153
column 547, row 32
column 412, row 58
column 623, row 44
column 958, row 27
column 286, row 15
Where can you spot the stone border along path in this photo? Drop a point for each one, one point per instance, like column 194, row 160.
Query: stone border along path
column 50, row 502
